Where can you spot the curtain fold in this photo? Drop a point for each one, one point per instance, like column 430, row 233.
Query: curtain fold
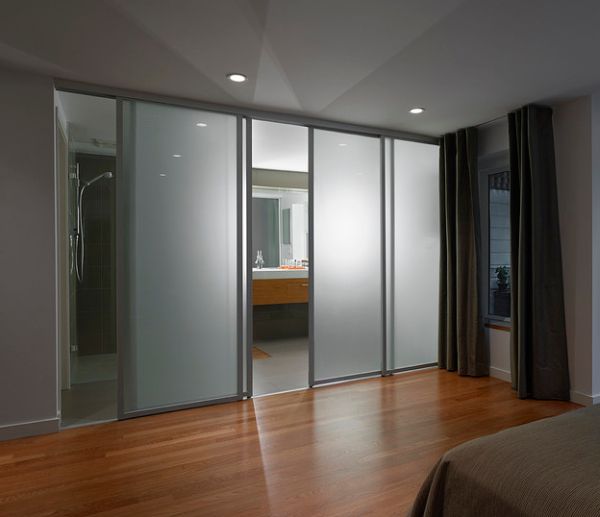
column 461, row 344
column 539, row 362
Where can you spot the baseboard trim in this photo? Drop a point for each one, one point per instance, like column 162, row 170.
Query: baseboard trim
column 584, row 399
column 576, row 396
column 23, row 429
column 499, row 373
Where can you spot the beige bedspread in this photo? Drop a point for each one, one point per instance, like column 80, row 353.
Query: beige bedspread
column 547, row 468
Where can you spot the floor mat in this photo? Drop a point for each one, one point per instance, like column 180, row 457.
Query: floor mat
column 257, row 353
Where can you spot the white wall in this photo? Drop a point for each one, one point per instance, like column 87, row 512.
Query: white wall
column 28, row 377
column 499, row 342
column 572, row 135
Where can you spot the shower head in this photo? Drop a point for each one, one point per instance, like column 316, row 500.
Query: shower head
column 106, row 175
column 80, row 236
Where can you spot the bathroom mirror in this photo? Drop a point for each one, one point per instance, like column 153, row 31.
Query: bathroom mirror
column 279, row 225
column 265, row 230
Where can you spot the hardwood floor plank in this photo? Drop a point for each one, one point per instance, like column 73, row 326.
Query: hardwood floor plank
column 360, row 448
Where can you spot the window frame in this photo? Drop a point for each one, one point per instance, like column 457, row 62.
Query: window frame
column 488, row 166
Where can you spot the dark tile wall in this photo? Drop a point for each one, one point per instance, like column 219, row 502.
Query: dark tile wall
column 280, row 321
column 96, row 332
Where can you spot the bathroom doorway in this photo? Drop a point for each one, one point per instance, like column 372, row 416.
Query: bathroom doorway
column 280, row 267
column 86, row 133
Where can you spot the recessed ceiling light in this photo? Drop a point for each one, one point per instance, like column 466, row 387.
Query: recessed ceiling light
column 176, row 156
column 417, row 111
column 342, row 145
column 237, row 78
column 162, row 175
column 201, row 124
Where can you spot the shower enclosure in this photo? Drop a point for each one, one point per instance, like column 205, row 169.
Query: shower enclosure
column 89, row 365
column 93, row 347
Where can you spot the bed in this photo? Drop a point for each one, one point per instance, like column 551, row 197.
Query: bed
column 546, row 468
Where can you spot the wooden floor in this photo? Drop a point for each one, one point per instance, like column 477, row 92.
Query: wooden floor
column 360, row 448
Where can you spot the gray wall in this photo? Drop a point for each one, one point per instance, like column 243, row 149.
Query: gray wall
column 595, row 143
column 493, row 137
column 572, row 137
column 28, row 376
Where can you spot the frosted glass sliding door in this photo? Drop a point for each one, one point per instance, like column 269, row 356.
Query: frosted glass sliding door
column 178, row 256
column 416, row 254
column 346, row 267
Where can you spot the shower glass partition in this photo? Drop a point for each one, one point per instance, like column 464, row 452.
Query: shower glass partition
column 346, row 262
column 179, row 249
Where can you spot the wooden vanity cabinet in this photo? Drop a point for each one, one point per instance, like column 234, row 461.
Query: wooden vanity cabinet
column 279, row 291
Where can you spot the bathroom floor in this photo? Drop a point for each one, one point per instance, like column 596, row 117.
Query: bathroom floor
column 280, row 365
column 93, row 394
column 88, row 403
column 93, row 368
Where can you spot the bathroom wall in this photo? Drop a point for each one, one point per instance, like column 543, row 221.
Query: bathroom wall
column 95, row 313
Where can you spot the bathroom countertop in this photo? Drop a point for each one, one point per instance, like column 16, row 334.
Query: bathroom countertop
column 269, row 273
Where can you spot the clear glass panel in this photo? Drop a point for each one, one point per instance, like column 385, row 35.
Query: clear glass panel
column 347, row 255
column 416, row 253
column 499, row 246
column 178, row 215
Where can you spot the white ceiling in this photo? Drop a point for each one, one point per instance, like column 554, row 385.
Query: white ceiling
column 367, row 62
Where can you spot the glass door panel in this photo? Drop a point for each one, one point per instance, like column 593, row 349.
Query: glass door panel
column 347, row 270
column 416, row 254
column 178, row 258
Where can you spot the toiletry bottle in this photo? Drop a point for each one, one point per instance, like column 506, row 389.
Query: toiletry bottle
column 260, row 262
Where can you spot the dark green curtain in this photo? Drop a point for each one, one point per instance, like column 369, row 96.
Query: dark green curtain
column 461, row 345
column 539, row 361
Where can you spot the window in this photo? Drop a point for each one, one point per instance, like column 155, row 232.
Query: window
column 498, row 252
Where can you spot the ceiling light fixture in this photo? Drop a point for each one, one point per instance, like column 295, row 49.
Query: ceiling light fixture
column 237, row 78
column 201, row 124
column 176, row 156
column 342, row 145
column 417, row 111
column 162, row 175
